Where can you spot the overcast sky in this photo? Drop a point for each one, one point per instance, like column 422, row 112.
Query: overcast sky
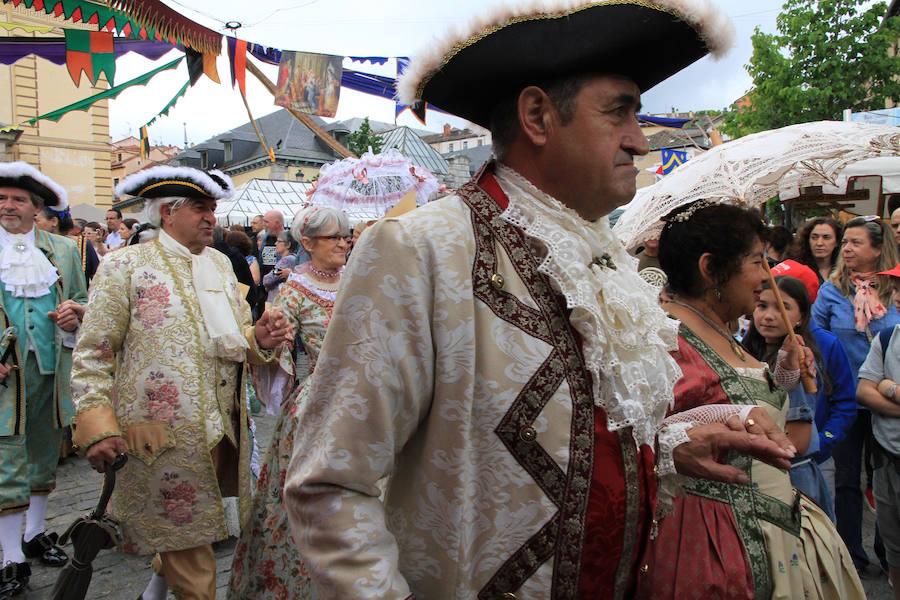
column 374, row 28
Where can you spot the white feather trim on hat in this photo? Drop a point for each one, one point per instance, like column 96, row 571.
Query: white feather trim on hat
column 713, row 26
column 21, row 169
column 134, row 183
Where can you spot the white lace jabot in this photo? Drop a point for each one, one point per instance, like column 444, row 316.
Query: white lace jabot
column 24, row 269
column 220, row 322
column 626, row 336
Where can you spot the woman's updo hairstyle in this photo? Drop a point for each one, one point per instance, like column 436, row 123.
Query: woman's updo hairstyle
column 726, row 232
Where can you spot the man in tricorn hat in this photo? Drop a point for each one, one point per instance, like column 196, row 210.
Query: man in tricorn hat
column 159, row 373
column 494, row 356
column 42, row 290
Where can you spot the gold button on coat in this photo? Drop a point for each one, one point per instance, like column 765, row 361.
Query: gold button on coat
column 528, row 434
column 497, row 281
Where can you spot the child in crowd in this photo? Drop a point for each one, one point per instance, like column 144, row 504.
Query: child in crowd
column 766, row 340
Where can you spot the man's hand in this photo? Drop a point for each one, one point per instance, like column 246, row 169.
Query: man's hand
column 703, row 456
column 68, row 315
column 105, row 451
column 272, row 329
column 284, row 273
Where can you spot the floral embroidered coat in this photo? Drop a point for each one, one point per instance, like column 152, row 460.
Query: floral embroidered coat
column 63, row 253
column 141, row 371
column 450, row 369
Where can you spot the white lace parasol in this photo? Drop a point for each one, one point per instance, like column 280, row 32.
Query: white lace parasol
column 754, row 168
column 367, row 187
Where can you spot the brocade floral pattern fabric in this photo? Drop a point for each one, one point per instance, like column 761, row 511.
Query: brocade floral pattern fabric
column 266, row 564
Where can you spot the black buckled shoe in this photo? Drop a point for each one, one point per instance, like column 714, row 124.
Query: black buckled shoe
column 14, row 579
column 44, row 548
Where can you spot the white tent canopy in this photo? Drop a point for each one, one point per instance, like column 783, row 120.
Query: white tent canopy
column 258, row 196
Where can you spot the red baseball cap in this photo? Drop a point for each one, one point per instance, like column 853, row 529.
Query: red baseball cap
column 807, row 276
column 895, row 272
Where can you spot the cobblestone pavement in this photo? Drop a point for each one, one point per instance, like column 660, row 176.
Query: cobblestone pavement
column 116, row 576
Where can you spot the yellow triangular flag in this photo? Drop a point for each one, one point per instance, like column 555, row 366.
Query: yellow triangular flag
column 406, row 204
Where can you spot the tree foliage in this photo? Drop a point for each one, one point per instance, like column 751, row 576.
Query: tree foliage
column 363, row 138
column 827, row 56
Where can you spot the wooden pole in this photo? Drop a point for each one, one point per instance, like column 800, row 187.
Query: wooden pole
column 302, row 117
column 809, row 384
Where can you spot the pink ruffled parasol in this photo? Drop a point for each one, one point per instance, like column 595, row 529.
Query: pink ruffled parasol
column 368, row 187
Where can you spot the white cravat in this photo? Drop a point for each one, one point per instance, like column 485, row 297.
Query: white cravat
column 227, row 340
column 24, row 269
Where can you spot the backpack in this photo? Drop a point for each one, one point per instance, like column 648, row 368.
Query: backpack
column 884, row 336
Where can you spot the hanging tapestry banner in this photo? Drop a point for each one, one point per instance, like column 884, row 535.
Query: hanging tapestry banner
column 309, row 83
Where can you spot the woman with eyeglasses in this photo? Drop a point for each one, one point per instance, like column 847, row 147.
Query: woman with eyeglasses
column 286, row 247
column 266, row 563
column 855, row 304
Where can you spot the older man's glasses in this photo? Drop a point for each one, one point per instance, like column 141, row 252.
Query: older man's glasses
column 333, row 237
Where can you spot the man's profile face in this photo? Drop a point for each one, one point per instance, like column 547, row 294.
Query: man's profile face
column 17, row 211
column 256, row 224
column 113, row 220
column 593, row 154
column 192, row 224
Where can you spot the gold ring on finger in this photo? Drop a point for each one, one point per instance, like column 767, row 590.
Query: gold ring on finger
column 750, row 422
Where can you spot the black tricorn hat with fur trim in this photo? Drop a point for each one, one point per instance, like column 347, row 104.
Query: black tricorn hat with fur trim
column 176, row 182
column 21, row 175
column 533, row 43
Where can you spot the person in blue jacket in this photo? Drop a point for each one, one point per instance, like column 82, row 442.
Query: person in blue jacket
column 855, row 304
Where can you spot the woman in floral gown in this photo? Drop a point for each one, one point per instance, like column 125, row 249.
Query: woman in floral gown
column 759, row 539
column 266, row 563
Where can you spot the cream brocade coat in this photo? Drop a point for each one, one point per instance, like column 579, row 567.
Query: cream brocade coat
column 450, row 367
column 141, row 371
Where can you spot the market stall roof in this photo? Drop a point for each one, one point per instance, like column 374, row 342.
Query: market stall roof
column 415, row 149
column 258, row 196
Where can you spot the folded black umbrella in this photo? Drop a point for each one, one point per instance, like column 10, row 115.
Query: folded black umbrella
column 89, row 534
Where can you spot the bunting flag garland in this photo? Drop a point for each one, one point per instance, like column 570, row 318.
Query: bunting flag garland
column 54, row 49
column 237, row 59
column 266, row 54
column 91, row 52
column 200, row 64
column 671, row 160
column 84, row 11
column 145, row 143
column 86, row 103
column 154, row 15
column 170, row 104
column 418, row 109
column 26, row 28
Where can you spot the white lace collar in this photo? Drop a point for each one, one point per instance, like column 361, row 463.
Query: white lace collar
column 626, row 336
column 25, row 271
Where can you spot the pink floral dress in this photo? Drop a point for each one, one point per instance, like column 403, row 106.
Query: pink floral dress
column 266, row 563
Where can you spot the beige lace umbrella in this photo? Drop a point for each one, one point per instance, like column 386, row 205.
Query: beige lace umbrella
column 754, row 168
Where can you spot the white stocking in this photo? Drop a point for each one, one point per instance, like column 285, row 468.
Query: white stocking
column 34, row 516
column 156, row 589
column 11, row 538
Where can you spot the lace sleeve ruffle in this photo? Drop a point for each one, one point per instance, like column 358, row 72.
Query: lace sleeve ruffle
column 669, row 482
column 674, row 433
column 786, row 378
column 711, row 413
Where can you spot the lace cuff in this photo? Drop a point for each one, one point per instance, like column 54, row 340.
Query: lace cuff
column 711, row 413
column 788, row 379
column 669, row 482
